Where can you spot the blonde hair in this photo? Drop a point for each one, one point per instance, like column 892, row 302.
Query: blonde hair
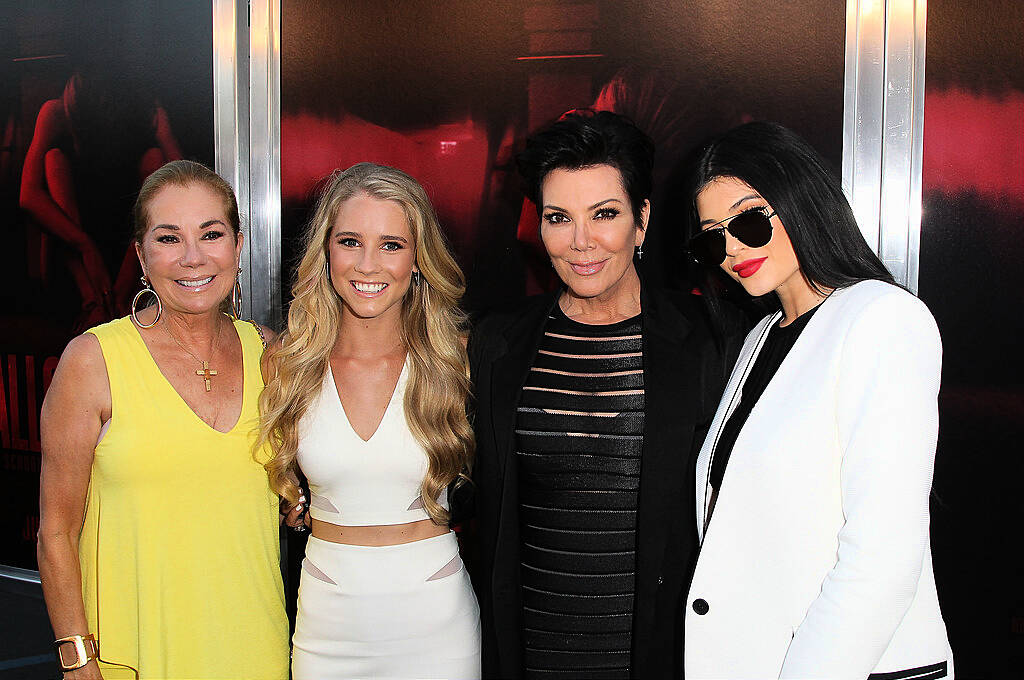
column 432, row 325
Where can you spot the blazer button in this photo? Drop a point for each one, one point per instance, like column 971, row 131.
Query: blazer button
column 701, row 606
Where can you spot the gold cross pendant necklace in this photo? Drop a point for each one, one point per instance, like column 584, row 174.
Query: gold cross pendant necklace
column 205, row 372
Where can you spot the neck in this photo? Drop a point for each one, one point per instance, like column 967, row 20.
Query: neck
column 370, row 338
column 798, row 296
column 195, row 330
column 621, row 301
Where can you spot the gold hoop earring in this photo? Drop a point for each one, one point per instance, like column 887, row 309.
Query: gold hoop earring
column 236, row 298
column 147, row 288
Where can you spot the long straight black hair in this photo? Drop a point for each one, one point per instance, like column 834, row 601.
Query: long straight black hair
column 796, row 181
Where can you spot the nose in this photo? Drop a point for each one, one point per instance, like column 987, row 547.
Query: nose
column 580, row 236
column 367, row 263
column 193, row 255
column 732, row 244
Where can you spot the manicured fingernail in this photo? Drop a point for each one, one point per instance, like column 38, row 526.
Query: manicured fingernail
column 299, row 507
column 302, row 499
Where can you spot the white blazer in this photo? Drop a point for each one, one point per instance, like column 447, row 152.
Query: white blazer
column 816, row 562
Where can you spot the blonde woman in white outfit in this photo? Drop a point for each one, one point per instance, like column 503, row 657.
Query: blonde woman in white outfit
column 367, row 395
column 813, row 483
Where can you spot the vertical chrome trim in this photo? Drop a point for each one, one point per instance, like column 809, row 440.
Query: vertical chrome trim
column 864, row 82
column 917, row 147
column 231, row 119
column 883, row 127
column 265, row 159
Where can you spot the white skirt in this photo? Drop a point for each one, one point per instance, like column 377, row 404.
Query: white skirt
column 397, row 611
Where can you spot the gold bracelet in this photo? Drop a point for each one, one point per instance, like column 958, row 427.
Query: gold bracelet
column 82, row 654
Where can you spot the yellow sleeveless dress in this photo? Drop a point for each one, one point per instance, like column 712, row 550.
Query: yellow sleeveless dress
column 179, row 549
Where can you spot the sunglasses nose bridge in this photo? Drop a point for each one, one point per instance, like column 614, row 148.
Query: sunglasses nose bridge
column 732, row 244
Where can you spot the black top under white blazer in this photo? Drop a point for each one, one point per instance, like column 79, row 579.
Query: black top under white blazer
column 816, row 561
column 685, row 364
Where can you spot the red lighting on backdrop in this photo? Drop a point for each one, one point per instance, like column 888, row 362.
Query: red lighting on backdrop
column 973, row 143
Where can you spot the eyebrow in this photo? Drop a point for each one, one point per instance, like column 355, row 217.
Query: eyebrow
column 731, row 208
column 593, row 207
column 204, row 225
column 383, row 237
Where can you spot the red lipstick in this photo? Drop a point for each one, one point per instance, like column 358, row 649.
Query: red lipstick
column 748, row 267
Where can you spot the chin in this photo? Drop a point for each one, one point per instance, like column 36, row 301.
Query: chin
column 756, row 288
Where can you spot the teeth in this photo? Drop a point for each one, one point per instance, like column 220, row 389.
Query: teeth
column 196, row 284
column 369, row 287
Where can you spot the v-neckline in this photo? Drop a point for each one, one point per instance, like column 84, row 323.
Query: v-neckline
column 341, row 404
column 181, row 399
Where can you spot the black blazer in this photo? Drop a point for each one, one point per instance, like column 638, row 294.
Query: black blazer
column 686, row 363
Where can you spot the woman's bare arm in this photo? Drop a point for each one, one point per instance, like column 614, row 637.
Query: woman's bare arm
column 74, row 410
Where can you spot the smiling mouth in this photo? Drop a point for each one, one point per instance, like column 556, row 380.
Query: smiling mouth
column 368, row 288
column 748, row 268
column 587, row 268
column 197, row 283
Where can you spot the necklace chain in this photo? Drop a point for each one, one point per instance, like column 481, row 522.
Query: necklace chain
column 205, row 372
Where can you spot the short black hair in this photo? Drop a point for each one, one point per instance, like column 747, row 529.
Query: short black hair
column 584, row 138
column 805, row 193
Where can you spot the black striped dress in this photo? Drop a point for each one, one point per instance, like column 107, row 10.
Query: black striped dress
column 579, row 431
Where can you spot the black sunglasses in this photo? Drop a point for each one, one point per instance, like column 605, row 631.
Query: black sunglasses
column 752, row 227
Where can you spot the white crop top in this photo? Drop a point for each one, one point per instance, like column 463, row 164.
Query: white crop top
column 362, row 483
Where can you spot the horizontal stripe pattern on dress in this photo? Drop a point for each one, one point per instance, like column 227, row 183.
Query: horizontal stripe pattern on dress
column 579, row 434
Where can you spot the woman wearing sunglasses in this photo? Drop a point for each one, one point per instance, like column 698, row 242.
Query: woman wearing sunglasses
column 813, row 482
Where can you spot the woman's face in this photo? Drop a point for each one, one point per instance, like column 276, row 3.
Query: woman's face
column 372, row 256
column 190, row 252
column 588, row 230
column 773, row 266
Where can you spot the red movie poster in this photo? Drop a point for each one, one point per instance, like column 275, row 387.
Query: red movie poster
column 93, row 97
column 448, row 90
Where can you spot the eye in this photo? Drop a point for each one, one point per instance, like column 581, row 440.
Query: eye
column 392, row 246
column 348, row 242
column 606, row 214
column 167, row 238
column 556, row 218
column 212, row 235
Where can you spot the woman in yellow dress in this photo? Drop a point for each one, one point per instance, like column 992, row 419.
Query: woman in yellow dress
column 150, row 419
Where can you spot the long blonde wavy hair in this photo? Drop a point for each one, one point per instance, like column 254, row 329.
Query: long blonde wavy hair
column 432, row 326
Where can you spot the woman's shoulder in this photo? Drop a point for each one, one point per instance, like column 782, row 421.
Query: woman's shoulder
column 882, row 301
column 113, row 330
column 497, row 320
column 880, row 313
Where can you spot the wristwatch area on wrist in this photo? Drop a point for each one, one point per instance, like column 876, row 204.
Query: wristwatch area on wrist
column 75, row 651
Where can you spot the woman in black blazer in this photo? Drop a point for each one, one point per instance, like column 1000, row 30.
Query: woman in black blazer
column 591, row 403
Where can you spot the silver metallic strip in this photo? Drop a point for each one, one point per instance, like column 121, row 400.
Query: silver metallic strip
column 883, row 127
column 864, row 84
column 265, row 160
column 231, row 118
column 19, row 574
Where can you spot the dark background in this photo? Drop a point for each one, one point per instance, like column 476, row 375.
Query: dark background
column 971, row 230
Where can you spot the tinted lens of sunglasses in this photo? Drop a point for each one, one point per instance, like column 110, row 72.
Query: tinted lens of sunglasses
column 752, row 227
column 708, row 247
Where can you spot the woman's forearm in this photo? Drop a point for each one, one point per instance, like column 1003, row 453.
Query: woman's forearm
column 61, row 577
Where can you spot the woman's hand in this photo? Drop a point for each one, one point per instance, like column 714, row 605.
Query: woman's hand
column 296, row 516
